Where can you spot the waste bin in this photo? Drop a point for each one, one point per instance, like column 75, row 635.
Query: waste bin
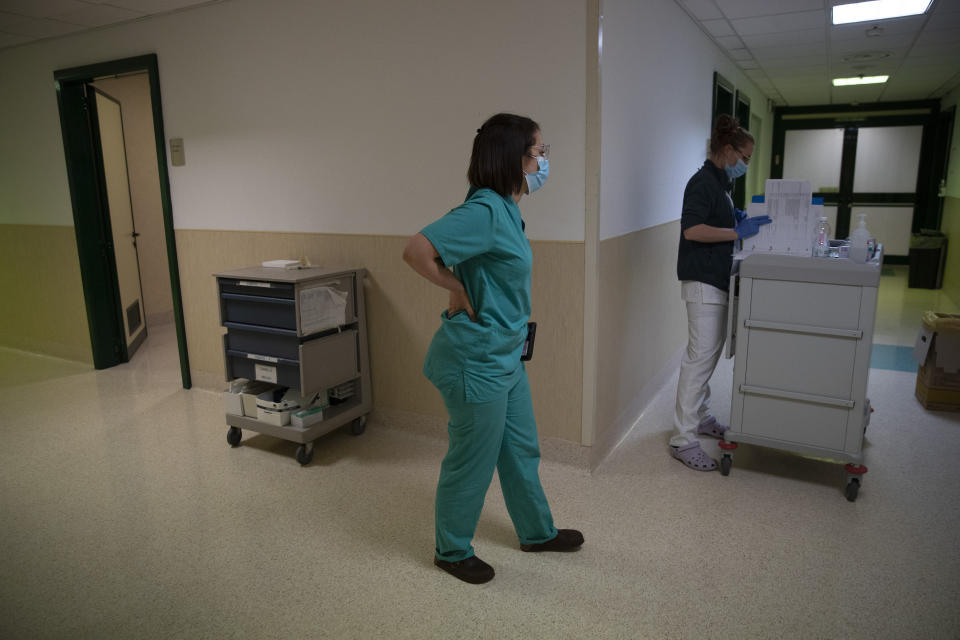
column 928, row 255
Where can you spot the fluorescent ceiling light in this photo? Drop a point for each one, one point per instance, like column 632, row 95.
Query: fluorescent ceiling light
column 845, row 82
column 878, row 10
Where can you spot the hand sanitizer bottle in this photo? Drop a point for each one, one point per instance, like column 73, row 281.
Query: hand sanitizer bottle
column 859, row 241
column 821, row 239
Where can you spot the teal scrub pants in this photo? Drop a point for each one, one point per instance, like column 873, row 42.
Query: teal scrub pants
column 502, row 434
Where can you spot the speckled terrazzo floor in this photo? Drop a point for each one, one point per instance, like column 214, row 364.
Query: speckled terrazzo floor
column 125, row 514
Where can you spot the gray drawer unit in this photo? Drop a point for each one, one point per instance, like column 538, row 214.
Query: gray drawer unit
column 316, row 364
column 801, row 330
column 306, row 307
column 305, row 329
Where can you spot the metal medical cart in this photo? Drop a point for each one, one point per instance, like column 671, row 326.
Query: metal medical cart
column 305, row 329
column 801, row 331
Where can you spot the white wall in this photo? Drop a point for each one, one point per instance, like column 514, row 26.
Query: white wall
column 657, row 69
column 336, row 117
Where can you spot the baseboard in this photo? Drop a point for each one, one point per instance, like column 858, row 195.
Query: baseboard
column 610, row 438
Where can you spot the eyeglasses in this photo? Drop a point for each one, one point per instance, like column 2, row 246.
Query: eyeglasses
column 746, row 159
column 543, row 149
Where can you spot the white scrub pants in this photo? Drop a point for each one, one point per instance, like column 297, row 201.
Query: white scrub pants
column 706, row 328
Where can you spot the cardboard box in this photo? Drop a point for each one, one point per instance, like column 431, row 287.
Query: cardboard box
column 937, row 351
column 249, row 394
column 276, row 418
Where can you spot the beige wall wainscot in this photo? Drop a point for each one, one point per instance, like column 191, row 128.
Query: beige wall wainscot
column 43, row 295
column 642, row 328
column 950, row 225
column 403, row 311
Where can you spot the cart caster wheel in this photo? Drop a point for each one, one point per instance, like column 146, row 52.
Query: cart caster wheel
column 303, row 455
column 359, row 425
column 725, row 463
column 233, row 436
column 853, row 488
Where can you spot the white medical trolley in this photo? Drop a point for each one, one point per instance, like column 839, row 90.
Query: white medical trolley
column 801, row 331
column 302, row 329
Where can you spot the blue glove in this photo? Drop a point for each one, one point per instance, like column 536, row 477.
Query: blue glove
column 739, row 214
column 751, row 226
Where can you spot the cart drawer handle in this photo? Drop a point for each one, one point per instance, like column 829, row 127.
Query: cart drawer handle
column 792, row 395
column 239, row 296
column 856, row 334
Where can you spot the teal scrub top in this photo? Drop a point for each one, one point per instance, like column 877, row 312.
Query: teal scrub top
column 484, row 241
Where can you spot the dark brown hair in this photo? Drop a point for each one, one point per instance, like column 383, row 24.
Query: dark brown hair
column 498, row 149
column 727, row 130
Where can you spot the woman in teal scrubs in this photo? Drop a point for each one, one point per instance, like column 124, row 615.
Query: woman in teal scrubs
column 474, row 359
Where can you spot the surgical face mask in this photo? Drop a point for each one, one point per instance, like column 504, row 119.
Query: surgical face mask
column 734, row 171
column 536, row 180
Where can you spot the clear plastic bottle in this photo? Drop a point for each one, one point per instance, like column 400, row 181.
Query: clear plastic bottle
column 821, row 239
column 860, row 241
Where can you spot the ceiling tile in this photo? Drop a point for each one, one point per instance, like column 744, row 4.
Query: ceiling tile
column 857, row 93
column 807, row 36
column 951, row 49
column 718, row 28
column 9, row 40
column 98, row 15
column 949, row 20
column 740, row 54
column 897, row 26
column 748, row 65
column 702, row 9
column 35, row 9
column 883, row 43
column 730, row 42
column 772, row 64
column 790, row 51
column 782, row 22
column 156, row 6
column 939, row 35
column 34, row 27
column 753, row 8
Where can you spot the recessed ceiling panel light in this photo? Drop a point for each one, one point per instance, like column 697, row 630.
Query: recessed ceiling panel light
column 878, row 10
column 846, row 82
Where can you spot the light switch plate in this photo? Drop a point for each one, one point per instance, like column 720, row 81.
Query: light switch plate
column 176, row 152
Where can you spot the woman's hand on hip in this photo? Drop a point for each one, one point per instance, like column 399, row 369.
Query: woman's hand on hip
column 459, row 301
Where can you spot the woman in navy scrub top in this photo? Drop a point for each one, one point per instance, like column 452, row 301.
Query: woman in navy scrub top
column 474, row 358
column 709, row 227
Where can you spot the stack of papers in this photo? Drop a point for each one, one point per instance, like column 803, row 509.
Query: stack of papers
column 789, row 204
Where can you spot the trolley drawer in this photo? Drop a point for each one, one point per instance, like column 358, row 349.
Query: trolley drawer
column 279, row 313
column 257, row 288
column 306, row 309
column 320, row 363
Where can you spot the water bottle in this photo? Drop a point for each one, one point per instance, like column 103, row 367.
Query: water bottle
column 821, row 239
column 860, row 241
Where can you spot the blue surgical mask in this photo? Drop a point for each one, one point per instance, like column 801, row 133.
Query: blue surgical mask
column 736, row 170
column 536, row 180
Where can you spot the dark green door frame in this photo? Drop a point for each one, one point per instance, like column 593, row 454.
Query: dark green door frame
column 851, row 118
column 94, row 240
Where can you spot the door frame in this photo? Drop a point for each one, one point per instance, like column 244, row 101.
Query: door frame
column 98, row 269
column 926, row 209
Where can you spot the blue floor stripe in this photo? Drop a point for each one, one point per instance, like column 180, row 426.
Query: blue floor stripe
column 894, row 358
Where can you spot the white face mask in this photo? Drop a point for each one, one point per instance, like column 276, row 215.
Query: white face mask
column 536, row 180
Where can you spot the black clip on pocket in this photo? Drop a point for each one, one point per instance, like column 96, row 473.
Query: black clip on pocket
column 527, row 353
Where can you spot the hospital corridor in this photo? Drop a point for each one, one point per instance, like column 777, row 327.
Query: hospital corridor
column 553, row 319
column 126, row 514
